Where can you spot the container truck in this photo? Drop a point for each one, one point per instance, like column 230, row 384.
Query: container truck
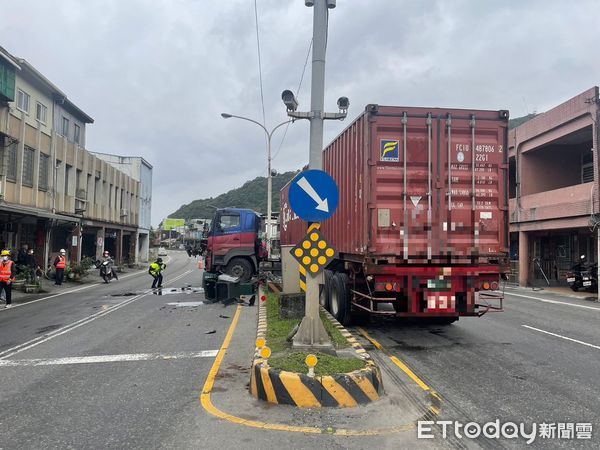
column 421, row 229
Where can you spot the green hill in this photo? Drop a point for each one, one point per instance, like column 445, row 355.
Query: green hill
column 514, row 123
column 252, row 195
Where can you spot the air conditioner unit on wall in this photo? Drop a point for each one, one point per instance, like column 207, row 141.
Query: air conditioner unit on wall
column 81, row 194
column 124, row 212
column 80, row 206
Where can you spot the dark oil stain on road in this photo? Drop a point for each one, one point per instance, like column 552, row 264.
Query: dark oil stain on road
column 48, row 328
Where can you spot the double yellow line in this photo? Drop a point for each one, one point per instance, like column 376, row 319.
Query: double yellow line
column 434, row 408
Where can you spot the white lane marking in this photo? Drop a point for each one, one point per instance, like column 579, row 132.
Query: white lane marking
column 182, row 304
column 46, row 337
column 563, row 337
column 71, row 291
column 76, row 290
column 107, row 358
column 553, row 301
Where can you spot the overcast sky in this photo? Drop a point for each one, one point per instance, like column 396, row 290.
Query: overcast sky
column 156, row 74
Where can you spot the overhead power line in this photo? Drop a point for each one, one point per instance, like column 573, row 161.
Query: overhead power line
column 297, row 95
column 262, row 97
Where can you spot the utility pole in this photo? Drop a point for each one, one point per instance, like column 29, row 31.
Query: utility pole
column 311, row 332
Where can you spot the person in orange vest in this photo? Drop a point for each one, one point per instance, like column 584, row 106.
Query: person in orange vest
column 7, row 276
column 60, row 262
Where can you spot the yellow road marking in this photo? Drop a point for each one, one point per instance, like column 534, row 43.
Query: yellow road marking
column 207, row 404
column 396, row 361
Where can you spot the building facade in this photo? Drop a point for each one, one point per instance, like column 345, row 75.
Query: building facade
column 54, row 193
column 554, row 196
column 140, row 170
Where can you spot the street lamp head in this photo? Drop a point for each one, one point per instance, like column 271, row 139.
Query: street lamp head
column 289, row 100
column 226, row 116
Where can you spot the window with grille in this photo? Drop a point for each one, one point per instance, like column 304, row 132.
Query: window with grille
column 68, row 169
column 43, row 176
column 28, row 155
column 11, row 162
column 587, row 168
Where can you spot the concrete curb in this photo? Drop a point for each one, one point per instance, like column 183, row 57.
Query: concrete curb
column 297, row 389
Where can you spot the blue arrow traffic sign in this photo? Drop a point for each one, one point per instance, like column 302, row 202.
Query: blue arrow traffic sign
column 314, row 196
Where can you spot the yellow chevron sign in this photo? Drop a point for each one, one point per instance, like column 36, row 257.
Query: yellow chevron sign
column 313, row 253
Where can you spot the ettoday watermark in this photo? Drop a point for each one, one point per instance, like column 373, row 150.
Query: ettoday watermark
column 444, row 429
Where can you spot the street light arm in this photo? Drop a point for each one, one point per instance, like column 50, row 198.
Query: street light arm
column 249, row 120
column 277, row 126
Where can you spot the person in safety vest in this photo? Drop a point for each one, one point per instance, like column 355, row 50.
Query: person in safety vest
column 7, row 275
column 60, row 262
column 155, row 270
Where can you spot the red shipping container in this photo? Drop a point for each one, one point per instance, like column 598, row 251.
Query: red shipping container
column 419, row 187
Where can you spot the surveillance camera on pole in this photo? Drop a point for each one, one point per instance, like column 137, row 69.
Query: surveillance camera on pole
column 291, row 104
column 289, row 100
column 343, row 104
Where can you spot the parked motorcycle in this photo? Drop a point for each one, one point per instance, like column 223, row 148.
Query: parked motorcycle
column 106, row 272
column 582, row 276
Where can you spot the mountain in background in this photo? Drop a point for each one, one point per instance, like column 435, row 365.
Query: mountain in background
column 252, row 195
column 514, row 123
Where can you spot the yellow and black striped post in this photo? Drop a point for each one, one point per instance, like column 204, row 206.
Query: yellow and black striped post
column 302, row 271
column 301, row 268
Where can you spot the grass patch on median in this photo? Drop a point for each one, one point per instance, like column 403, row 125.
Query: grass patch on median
column 277, row 329
column 285, row 359
column 327, row 365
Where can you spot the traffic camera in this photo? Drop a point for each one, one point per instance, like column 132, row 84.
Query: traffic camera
column 343, row 104
column 289, row 100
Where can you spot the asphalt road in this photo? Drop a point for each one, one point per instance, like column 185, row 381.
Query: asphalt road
column 537, row 362
column 110, row 366
column 117, row 366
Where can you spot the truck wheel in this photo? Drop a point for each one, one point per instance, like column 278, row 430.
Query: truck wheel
column 338, row 297
column 324, row 299
column 240, row 268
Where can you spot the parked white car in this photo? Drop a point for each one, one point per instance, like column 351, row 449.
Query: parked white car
column 162, row 251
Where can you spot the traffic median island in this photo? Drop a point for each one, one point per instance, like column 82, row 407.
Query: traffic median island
column 281, row 375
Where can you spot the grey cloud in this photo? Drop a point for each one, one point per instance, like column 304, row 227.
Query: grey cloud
column 155, row 75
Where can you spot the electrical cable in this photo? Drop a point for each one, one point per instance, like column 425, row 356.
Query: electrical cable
column 262, row 97
column 297, row 95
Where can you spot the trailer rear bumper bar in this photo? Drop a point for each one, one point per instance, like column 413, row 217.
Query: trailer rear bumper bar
column 490, row 301
column 485, row 301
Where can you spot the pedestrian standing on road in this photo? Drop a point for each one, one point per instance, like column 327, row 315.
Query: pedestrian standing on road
column 60, row 262
column 155, row 270
column 7, row 276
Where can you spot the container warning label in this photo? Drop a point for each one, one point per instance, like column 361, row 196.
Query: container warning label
column 389, row 150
